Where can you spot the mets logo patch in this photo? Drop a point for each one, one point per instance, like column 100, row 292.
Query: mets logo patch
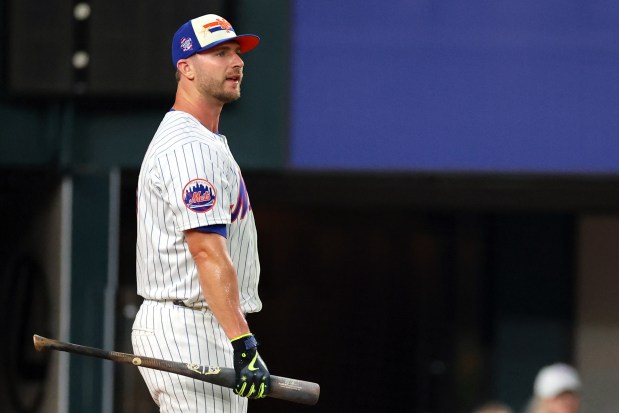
column 199, row 195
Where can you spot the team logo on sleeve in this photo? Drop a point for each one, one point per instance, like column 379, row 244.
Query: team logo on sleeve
column 199, row 195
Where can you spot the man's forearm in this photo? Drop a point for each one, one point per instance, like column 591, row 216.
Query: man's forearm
column 218, row 280
column 220, row 289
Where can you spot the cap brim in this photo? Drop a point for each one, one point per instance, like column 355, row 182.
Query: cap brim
column 246, row 41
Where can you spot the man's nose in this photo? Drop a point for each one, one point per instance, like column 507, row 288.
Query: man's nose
column 238, row 62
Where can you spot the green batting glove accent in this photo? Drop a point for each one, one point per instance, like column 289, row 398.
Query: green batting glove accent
column 262, row 392
column 241, row 336
column 252, row 376
column 240, row 391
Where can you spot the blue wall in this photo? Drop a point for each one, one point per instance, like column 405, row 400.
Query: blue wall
column 508, row 86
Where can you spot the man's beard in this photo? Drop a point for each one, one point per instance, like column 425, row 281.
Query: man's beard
column 210, row 87
column 227, row 97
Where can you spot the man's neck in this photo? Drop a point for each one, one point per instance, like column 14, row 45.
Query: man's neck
column 207, row 112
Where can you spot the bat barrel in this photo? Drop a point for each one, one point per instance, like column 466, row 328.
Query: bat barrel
column 298, row 391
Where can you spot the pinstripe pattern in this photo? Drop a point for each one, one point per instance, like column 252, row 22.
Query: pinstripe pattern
column 164, row 330
column 183, row 151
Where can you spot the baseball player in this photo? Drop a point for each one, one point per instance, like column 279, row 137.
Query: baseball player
column 197, row 259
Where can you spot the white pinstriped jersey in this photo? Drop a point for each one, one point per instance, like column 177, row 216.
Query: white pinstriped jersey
column 190, row 179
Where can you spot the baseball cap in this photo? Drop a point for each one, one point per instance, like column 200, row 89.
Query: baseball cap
column 555, row 379
column 205, row 32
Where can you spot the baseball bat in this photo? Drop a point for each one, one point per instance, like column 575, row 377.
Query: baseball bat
column 293, row 390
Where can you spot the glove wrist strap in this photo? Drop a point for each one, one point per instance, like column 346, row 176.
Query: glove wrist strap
column 244, row 342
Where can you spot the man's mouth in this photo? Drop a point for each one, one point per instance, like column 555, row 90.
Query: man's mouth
column 234, row 78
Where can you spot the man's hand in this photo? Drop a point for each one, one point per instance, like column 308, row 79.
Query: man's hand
column 252, row 376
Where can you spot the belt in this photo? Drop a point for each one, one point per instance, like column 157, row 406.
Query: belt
column 181, row 303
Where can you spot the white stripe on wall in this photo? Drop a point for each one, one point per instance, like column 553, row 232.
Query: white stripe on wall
column 66, row 217
column 109, row 321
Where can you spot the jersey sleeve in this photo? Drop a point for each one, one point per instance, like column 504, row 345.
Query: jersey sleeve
column 195, row 185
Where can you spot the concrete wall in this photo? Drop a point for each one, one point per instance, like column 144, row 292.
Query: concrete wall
column 597, row 320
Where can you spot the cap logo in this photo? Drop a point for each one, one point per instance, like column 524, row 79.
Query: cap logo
column 217, row 25
column 186, row 44
column 199, row 195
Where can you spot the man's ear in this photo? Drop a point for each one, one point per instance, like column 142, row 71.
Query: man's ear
column 185, row 69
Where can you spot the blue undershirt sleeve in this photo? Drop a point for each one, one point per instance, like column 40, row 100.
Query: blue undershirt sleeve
column 215, row 229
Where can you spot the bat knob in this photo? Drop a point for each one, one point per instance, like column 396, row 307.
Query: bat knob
column 38, row 342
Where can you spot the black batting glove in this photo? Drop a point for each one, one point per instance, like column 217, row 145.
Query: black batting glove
column 252, row 376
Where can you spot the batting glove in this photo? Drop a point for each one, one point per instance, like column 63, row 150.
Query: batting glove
column 252, row 376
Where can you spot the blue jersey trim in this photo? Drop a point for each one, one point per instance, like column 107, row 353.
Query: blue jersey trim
column 215, row 229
